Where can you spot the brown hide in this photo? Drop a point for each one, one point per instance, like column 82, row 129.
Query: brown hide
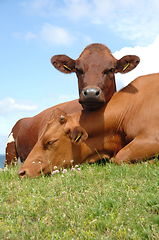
column 26, row 131
column 126, row 130
column 95, row 70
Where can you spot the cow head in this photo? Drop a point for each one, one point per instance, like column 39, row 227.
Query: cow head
column 95, row 69
column 54, row 147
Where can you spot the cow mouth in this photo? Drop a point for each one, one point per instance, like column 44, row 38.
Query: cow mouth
column 91, row 105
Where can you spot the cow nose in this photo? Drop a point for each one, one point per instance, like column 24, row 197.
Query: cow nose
column 91, row 93
column 22, row 173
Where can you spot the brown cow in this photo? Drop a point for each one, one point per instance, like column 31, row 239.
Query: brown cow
column 126, row 129
column 25, row 132
column 95, row 70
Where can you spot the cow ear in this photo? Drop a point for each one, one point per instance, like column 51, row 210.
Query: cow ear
column 78, row 135
column 127, row 63
column 63, row 63
column 58, row 115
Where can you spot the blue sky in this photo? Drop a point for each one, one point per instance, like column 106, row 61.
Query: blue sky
column 32, row 31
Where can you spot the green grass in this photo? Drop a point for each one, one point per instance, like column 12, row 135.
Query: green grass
column 97, row 202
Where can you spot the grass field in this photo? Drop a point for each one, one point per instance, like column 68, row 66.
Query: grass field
column 91, row 202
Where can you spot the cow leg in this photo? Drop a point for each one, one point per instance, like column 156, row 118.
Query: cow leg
column 137, row 150
column 97, row 156
column 11, row 154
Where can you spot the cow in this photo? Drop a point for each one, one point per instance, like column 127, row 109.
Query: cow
column 126, row 130
column 95, row 69
column 25, row 132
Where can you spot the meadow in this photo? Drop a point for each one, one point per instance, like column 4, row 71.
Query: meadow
column 87, row 202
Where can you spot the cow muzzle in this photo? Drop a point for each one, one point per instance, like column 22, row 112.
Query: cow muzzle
column 22, row 173
column 33, row 173
column 91, row 98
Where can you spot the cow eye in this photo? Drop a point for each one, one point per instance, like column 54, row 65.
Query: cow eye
column 112, row 70
column 49, row 144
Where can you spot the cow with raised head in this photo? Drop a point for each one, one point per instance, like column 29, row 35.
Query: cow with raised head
column 95, row 70
column 125, row 130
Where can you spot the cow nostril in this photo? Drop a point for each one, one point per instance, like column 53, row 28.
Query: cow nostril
column 22, row 173
column 85, row 92
column 91, row 93
column 98, row 93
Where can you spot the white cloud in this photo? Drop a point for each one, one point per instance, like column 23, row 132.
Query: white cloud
column 137, row 23
column 148, row 62
column 39, row 7
column 9, row 105
column 76, row 9
column 27, row 36
column 56, row 35
column 130, row 19
column 49, row 33
column 11, row 111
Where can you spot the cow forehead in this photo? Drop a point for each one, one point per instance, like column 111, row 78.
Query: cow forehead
column 96, row 47
column 97, row 58
column 55, row 129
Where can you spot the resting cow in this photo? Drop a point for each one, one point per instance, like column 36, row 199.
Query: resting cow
column 126, row 130
column 95, row 70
